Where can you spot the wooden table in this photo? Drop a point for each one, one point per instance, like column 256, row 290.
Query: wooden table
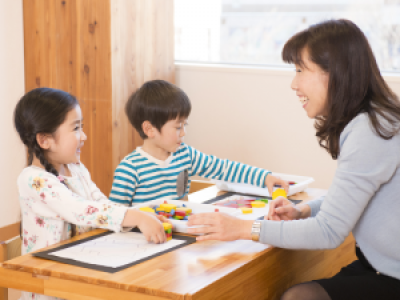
column 204, row 270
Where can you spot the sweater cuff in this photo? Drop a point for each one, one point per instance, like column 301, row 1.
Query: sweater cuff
column 315, row 205
column 118, row 216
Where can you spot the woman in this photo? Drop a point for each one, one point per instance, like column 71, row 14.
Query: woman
column 357, row 122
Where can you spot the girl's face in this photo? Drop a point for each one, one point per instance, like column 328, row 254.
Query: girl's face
column 311, row 86
column 66, row 143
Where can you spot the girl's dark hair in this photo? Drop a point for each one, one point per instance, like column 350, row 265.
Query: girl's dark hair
column 41, row 110
column 156, row 101
column 355, row 85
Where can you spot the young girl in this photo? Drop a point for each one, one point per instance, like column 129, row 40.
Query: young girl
column 56, row 191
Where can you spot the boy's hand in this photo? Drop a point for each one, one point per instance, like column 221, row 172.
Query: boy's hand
column 271, row 181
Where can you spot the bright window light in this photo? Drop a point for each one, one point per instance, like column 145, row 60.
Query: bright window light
column 253, row 32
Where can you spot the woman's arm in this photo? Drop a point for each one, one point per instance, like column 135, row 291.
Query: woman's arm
column 366, row 163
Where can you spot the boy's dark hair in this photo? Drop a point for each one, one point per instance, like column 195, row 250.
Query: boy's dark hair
column 158, row 102
column 41, row 110
column 355, row 85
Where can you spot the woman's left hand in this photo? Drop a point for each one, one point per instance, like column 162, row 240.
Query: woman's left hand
column 219, row 226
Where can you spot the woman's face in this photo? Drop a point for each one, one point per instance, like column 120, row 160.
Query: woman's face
column 311, row 86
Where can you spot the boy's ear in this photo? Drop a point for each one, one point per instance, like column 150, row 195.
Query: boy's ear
column 43, row 140
column 148, row 129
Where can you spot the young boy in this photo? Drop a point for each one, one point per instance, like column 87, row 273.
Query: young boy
column 164, row 165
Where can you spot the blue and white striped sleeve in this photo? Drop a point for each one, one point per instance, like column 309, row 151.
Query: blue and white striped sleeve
column 124, row 184
column 211, row 167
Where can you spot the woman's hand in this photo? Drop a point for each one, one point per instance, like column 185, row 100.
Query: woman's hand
column 149, row 224
column 272, row 181
column 283, row 209
column 220, row 226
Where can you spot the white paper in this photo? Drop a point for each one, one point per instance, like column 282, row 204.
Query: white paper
column 115, row 250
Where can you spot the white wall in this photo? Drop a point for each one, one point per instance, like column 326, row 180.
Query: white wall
column 12, row 153
column 252, row 116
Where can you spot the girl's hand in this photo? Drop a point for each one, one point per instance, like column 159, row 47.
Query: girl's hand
column 271, row 181
column 220, row 226
column 148, row 223
column 283, row 209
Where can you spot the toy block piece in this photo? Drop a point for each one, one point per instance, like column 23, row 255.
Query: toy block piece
column 258, row 204
column 159, row 209
column 263, row 200
column 246, row 210
column 216, row 210
column 187, row 210
column 167, row 207
column 167, row 228
column 277, row 193
column 147, row 209
column 180, row 213
column 245, row 201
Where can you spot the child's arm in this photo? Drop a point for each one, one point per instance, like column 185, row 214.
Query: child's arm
column 47, row 197
column 210, row 166
column 124, row 183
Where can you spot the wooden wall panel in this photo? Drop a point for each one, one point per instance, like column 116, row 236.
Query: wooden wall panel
column 67, row 46
column 142, row 49
column 100, row 51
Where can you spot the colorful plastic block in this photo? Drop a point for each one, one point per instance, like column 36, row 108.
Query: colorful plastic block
column 187, row 210
column 258, row 204
column 246, row 210
column 277, row 193
column 167, row 207
column 147, row 209
column 168, row 230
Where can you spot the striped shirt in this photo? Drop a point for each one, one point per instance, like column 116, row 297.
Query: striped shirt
column 140, row 177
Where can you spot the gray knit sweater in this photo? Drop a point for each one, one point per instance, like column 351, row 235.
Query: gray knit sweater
column 364, row 198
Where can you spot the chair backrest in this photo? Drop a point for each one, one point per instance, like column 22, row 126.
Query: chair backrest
column 197, row 185
column 10, row 247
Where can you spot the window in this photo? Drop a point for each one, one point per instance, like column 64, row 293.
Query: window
column 253, row 32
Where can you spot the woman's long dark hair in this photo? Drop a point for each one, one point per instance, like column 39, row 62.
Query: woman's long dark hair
column 355, row 85
column 41, row 110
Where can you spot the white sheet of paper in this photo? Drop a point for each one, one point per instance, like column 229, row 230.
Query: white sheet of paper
column 115, row 250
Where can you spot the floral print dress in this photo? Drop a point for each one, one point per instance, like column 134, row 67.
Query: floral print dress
column 49, row 206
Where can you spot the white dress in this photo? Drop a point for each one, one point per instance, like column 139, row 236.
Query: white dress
column 48, row 207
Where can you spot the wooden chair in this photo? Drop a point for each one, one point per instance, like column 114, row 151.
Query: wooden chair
column 197, row 185
column 10, row 247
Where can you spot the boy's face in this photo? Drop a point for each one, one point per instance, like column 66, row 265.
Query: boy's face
column 171, row 135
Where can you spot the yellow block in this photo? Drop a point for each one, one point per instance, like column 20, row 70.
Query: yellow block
column 246, row 210
column 277, row 193
column 167, row 207
column 187, row 210
column 258, row 204
column 147, row 209
column 167, row 226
